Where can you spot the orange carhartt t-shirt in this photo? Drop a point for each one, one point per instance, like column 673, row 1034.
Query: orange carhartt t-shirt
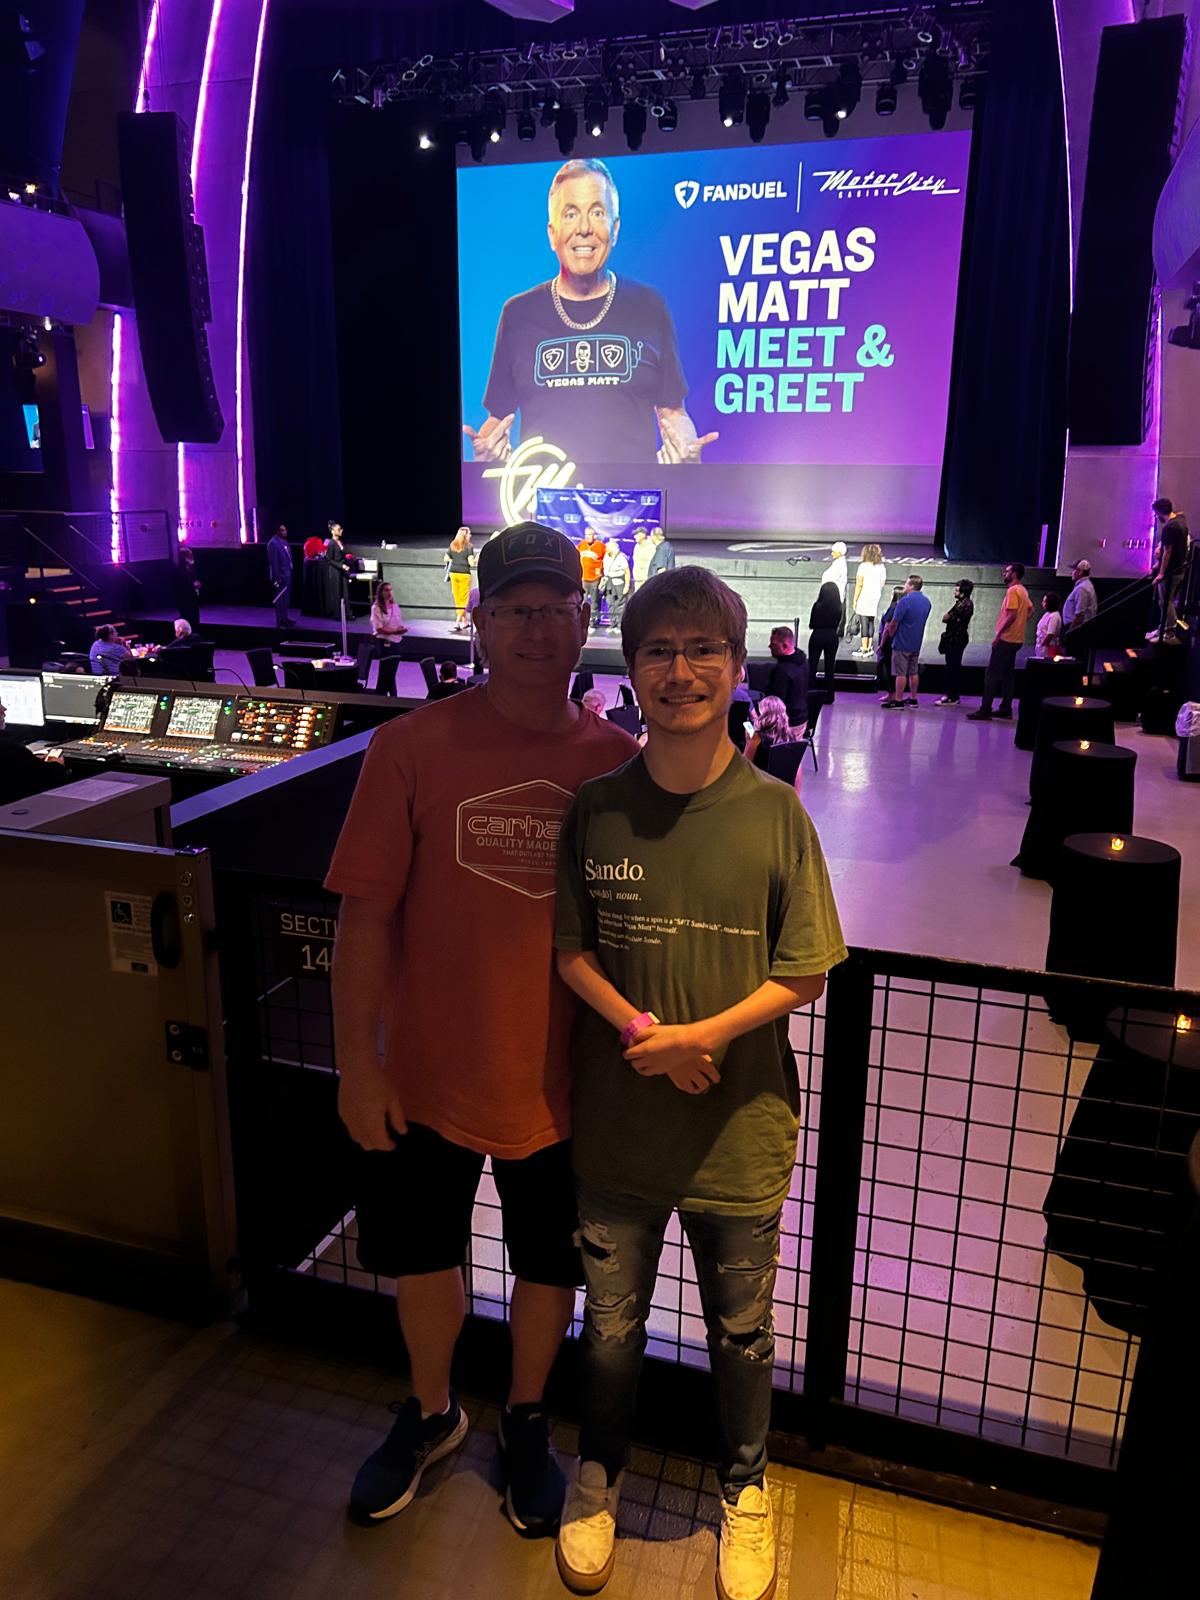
column 455, row 821
column 591, row 559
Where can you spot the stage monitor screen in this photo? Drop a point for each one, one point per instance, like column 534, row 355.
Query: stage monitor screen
column 71, row 696
column 21, row 697
column 194, row 716
column 610, row 513
column 769, row 341
column 130, row 711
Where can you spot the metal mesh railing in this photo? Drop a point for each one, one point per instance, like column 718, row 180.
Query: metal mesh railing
column 1006, row 1189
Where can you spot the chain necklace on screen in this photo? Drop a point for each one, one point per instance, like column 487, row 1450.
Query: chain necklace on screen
column 582, row 327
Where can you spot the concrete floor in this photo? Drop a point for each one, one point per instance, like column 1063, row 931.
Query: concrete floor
column 142, row 1460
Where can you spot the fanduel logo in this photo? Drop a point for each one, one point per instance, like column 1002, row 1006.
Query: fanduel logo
column 688, row 191
column 845, row 182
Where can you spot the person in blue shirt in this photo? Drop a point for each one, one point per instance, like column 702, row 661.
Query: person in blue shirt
column 907, row 631
column 108, row 650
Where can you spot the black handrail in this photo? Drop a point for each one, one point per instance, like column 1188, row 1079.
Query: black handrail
column 100, row 550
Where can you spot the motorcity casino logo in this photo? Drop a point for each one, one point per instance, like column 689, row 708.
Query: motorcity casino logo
column 841, row 181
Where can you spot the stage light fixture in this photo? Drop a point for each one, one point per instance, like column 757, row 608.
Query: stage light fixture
column 633, row 120
column 731, row 101
column 550, row 105
column 669, row 119
column 1187, row 335
column 494, row 115
column 758, row 114
column 832, row 114
column 699, row 84
column 885, row 100
column 474, row 136
column 969, row 93
column 936, row 88
column 595, row 111
column 526, row 122
column 898, row 75
column 780, row 97
column 424, row 142
column 848, row 87
column 566, row 128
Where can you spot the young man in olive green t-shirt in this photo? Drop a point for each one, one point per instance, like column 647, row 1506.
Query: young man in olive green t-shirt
column 694, row 914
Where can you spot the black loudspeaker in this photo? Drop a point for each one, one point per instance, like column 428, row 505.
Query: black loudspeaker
column 170, row 276
column 1134, row 115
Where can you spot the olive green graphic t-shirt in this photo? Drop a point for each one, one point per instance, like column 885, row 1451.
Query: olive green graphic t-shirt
column 690, row 903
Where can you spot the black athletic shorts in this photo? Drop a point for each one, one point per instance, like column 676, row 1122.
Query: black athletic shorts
column 415, row 1202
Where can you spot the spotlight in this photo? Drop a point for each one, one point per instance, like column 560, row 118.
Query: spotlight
column 780, row 97
column 812, row 106
column 474, row 135
column 424, row 142
column 885, row 100
column 969, row 92
column 493, row 115
column 595, row 111
column 731, row 101
column 31, row 188
column 832, row 111
column 526, row 122
column 669, row 120
column 549, row 107
column 699, row 84
column 936, row 89
column 761, row 40
column 848, row 87
column 633, row 120
column 27, row 357
column 566, row 127
column 758, row 114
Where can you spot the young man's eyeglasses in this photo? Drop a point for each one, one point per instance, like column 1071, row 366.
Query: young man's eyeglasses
column 561, row 613
column 706, row 655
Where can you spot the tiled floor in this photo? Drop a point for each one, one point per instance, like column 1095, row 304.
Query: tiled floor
column 141, row 1459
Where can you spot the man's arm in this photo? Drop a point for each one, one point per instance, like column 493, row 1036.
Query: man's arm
column 680, row 442
column 661, row 1048
column 1002, row 621
column 583, row 974
column 367, row 1102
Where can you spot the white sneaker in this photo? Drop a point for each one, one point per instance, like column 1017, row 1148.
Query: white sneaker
column 587, row 1534
column 746, row 1549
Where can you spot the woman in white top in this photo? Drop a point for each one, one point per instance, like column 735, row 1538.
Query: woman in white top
column 1049, row 628
column 387, row 620
column 616, row 578
column 868, row 591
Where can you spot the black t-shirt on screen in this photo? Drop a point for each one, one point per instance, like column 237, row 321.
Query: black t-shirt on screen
column 590, row 392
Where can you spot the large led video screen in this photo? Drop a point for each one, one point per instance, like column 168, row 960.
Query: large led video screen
column 763, row 333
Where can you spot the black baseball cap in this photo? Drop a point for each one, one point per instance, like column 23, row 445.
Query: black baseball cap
column 528, row 550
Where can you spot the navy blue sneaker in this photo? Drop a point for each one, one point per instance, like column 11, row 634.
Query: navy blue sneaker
column 535, row 1486
column 390, row 1477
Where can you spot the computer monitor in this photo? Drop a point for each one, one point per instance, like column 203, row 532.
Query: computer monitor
column 130, row 711
column 21, row 696
column 71, row 696
column 194, row 717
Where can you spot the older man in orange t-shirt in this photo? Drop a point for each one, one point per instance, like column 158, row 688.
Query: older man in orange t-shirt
column 446, row 868
column 1000, row 679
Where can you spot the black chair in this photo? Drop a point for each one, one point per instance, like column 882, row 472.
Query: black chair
column 202, row 652
column 262, row 668
column 783, row 760
column 758, row 675
column 627, row 717
column 626, row 694
column 131, row 667
column 365, row 653
column 385, row 678
column 428, row 672
column 807, row 740
column 583, row 682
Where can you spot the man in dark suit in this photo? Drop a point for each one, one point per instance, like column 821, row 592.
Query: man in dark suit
column 789, row 675
column 279, row 566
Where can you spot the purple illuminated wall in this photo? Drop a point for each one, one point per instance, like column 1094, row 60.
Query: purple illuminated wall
column 203, row 62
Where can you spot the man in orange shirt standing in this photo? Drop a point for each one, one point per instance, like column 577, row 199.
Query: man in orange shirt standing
column 591, row 557
column 1000, row 679
column 453, row 833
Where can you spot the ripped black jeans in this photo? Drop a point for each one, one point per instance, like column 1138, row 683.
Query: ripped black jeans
column 736, row 1258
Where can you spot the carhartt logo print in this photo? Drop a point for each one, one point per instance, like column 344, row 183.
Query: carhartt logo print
column 511, row 836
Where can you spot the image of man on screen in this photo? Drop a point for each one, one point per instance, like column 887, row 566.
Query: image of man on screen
column 589, row 361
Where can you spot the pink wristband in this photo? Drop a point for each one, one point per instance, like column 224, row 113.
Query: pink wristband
column 644, row 1019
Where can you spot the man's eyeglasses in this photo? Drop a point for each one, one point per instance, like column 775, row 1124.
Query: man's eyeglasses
column 706, row 655
column 560, row 614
